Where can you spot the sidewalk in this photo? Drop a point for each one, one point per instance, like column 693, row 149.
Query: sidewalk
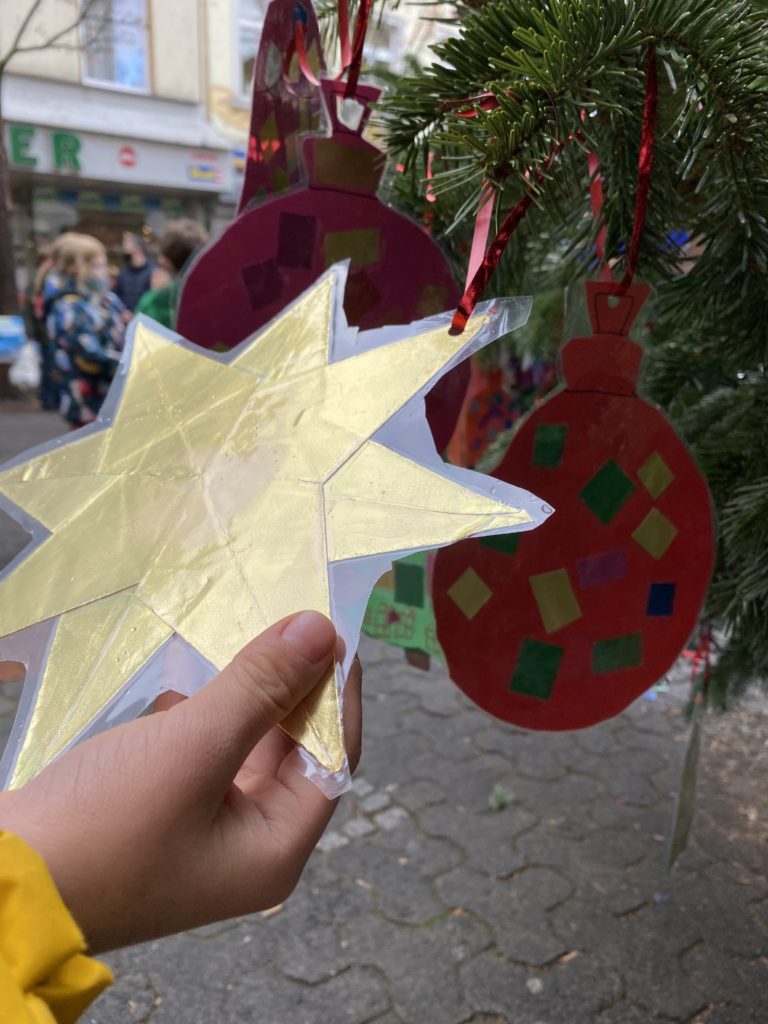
column 425, row 906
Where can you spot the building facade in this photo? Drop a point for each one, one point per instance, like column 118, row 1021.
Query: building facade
column 142, row 113
column 110, row 132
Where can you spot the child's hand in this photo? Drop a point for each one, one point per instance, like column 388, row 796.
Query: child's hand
column 193, row 814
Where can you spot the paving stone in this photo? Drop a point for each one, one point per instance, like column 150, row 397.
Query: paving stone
column 736, row 1015
column 332, row 840
column 465, row 784
column 131, row 1000
column 358, row 996
column 654, row 940
column 723, row 917
column 536, row 760
column 438, row 695
column 624, row 1013
column 420, row 793
column 392, row 761
column 718, row 977
column 514, row 908
column 498, row 738
column 485, row 1018
column 393, row 817
column 419, row 996
column 389, row 713
column 361, row 787
column 375, row 802
column 618, row 814
column 399, row 869
column 587, row 927
column 305, row 932
column 453, row 734
column 570, row 993
column 486, row 838
column 189, row 976
column 599, row 739
column 357, row 827
column 564, row 802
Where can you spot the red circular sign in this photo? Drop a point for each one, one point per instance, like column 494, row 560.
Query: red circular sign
column 126, row 156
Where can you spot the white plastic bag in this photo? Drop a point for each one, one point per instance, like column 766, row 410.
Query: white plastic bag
column 24, row 373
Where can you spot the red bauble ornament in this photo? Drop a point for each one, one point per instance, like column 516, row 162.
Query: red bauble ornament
column 564, row 626
column 273, row 252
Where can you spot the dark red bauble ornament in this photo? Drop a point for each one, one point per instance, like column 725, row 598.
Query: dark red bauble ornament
column 273, row 252
column 564, row 626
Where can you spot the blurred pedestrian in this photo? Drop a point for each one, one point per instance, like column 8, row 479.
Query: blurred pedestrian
column 48, row 391
column 180, row 241
column 135, row 275
column 84, row 322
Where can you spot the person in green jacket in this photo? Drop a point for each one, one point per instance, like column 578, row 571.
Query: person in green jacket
column 180, row 241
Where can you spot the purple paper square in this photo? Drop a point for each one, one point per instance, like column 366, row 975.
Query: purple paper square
column 604, row 568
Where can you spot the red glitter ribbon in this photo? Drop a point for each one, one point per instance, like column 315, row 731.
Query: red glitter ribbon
column 479, row 280
column 645, row 165
column 354, row 61
column 300, row 48
column 344, row 43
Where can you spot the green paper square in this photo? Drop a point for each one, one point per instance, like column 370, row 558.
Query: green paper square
column 506, row 543
column 536, row 669
column 548, row 445
column 617, row 652
column 409, row 584
column 607, row 491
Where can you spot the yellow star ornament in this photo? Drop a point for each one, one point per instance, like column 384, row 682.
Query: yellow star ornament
column 218, row 493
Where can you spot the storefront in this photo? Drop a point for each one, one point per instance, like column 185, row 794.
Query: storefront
column 104, row 185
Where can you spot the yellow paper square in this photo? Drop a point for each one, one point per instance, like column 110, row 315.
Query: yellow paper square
column 470, row 593
column 360, row 246
column 655, row 533
column 655, row 475
column 556, row 600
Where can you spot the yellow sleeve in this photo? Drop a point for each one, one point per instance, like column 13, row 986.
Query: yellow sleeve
column 44, row 978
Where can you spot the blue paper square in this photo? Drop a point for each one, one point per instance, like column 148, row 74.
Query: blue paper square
column 661, row 599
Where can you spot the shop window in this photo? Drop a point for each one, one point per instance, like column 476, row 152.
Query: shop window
column 250, row 21
column 116, row 45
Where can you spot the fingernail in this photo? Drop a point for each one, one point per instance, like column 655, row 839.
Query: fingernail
column 311, row 635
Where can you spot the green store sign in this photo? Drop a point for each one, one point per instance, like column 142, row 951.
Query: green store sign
column 65, row 148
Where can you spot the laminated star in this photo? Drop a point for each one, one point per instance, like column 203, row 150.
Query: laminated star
column 218, row 493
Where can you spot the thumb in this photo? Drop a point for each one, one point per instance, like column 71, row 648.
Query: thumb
column 259, row 687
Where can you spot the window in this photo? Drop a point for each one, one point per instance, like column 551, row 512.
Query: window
column 250, row 22
column 115, row 44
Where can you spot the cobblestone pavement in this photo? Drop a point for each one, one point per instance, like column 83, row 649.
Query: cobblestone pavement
column 423, row 905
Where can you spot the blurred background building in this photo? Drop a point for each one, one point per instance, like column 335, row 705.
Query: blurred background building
column 140, row 114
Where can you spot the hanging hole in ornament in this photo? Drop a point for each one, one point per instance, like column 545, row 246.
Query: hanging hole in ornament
column 614, row 301
column 350, row 112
